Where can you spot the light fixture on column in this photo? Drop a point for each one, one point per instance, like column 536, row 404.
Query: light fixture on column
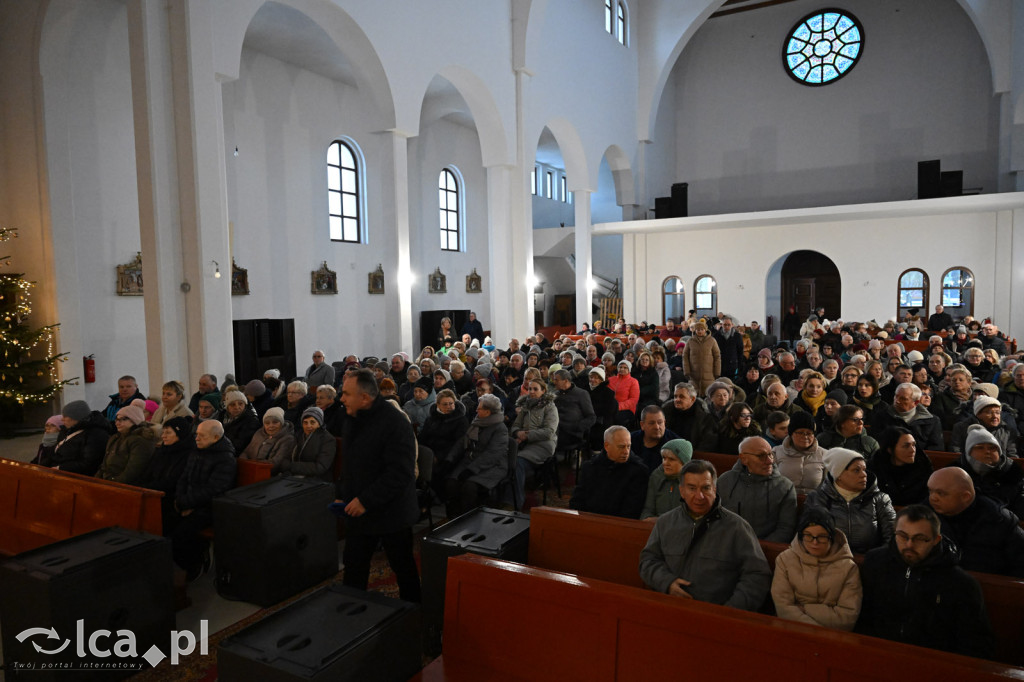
column 216, row 272
column 592, row 283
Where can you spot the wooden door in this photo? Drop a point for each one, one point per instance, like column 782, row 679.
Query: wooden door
column 803, row 296
column 565, row 310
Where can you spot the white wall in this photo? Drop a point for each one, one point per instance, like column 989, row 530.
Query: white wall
column 442, row 143
column 748, row 137
column 870, row 245
column 93, row 192
column 282, row 119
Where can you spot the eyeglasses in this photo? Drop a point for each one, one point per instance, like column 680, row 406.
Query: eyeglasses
column 761, row 456
column 804, row 433
column 815, row 539
column 914, row 540
column 857, row 420
column 746, row 415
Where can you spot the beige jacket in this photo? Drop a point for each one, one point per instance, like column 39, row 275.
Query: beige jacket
column 825, row 591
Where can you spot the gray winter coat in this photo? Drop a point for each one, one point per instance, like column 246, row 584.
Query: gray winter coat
column 718, row 553
column 313, row 456
column 540, row 421
column 486, row 453
column 767, row 503
column 868, row 521
column 274, row 450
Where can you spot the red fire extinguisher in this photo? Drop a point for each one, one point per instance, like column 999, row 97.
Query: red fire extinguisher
column 90, row 369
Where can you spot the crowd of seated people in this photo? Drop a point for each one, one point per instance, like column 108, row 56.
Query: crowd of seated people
column 842, row 413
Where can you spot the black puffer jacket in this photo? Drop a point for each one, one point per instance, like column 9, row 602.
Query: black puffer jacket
column 241, row 429
column 907, row 484
column 166, row 466
column 83, row 446
column 575, row 415
column 691, row 424
column 934, row 604
column 313, row 456
column 380, row 456
column 1003, row 483
column 868, row 521
column 443, row 432
column 208, row 473
column 989, row 538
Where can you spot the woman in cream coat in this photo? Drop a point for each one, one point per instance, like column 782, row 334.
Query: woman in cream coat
column 816, row 580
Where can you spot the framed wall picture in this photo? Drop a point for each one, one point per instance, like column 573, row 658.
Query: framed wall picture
column 474, row 283
column 375, row 284
column 129, row 277
column 324, row 280
column 438, row 282
column 239, row 280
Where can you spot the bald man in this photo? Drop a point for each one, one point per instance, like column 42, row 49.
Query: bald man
column 988, row 536
column 209, row 472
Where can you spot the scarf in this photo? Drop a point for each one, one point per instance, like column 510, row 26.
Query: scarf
column 814, row 403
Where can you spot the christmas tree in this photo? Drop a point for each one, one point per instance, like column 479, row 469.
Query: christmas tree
column 28, row 369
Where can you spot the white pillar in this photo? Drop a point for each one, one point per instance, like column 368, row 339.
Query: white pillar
column 584, row 261
column 521, row 225
column 502, row 279
column 398, row 308
column 156, row 171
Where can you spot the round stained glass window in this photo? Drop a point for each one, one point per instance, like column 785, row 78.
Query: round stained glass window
column 823, row 47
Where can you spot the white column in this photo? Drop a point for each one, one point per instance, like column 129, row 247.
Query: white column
column 202, row 180
column 396, row 230
column 521, row 225
column 500, row 284
column 156, row 170
column 1013, row 325
column 584, row 262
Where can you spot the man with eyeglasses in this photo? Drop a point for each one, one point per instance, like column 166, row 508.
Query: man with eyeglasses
column 906, row 410
column 756, row 491
column 703, row 551
column 915, row 593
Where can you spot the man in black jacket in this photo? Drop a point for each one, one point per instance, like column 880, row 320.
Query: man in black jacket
column 988, row 537
column 730, row 343
column 575, row 412
column 209, row 472
column 914, row 591
column 379, row 486
column 614, row 483
column 940, row 320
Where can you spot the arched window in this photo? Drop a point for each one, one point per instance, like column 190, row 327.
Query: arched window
column 451, row 210
column 621, row 23
column 345, row 193
column 705, row 296
column 958, row 292
column 673, row 300
column 913, row 293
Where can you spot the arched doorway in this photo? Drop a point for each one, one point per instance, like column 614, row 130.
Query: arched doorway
column 807, row 280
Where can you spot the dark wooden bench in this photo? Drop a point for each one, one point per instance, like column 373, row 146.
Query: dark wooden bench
column 608, row 548
column 39, row 505
column 509, row 622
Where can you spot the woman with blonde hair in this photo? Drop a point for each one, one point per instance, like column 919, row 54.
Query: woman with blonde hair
column 172, row 404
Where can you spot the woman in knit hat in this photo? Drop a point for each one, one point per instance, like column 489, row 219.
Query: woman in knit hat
column 816, row 580
column 83, row 441
column 130, row 449
column 239, row 420
column 274, row 442
column 663, row 485
column 423, row 397
column 605, row 406
column 51, row 435
column 849, row 494
column 800, row 458
column 315, row 448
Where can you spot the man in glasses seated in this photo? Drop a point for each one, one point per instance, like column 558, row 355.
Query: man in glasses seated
column 915, row 592
column 756, row 491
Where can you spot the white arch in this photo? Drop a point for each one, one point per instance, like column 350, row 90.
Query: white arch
column 494, row 143
column 571, row 146
column 622, row 174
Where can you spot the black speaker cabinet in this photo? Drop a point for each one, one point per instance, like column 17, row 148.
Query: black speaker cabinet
column 489, row 532
column 63, row 595
column 274, row 539
column 929, row 179
column 680, row 199
column 335, row 633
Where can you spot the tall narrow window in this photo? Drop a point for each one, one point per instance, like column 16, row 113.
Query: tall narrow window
column 562, row 189
column 620, row 23
column 548, row 184
column 705, row 296
column 608, row 26
column 958, row 292
column 343, row 196
column 533, row 180
column 450, row 214
column 913, row 293
column 673, row 300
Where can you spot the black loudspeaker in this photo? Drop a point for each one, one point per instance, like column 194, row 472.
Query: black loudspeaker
column 929, row 179
column 274, row 539
column 489, row 532
column 335, row 633
column 952, row 183
column 680, row 199
column 663, row 207
column 65, row 594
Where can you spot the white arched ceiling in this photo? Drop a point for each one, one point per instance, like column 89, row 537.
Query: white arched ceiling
column 622, row 173
column 356, row 59
column 571, row 147
column 494, row 144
